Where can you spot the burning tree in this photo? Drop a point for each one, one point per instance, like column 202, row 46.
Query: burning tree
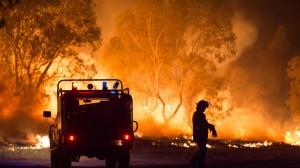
column 38, row 43
column 294, row 98
column 3, row 5
column 169, row 52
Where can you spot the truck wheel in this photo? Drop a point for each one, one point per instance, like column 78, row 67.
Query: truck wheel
column 65, row 162
column 59, row 161
column 54, row 159
column 110, row 162
column 123, row 159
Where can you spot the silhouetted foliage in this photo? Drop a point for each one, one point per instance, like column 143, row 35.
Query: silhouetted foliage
column 169, row 52
column 294, row 98
column 38, row 40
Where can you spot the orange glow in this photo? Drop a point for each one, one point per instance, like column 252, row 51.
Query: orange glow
column 245, row 122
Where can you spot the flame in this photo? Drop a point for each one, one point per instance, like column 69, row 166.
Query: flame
column 258, row 144
column 42, row 142
column 292, row 137
column 240, row 123
column 251, row 145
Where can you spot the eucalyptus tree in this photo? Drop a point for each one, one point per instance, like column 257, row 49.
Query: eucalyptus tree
column 169, row 51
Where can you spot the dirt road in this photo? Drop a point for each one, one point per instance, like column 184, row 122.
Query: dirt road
column 164, row 154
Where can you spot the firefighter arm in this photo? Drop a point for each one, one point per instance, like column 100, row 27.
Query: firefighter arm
column 212, row 129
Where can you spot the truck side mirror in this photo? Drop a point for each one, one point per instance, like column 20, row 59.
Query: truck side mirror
column 136, row 126
column 47, row 114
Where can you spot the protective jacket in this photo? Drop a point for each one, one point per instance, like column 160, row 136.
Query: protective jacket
column 200, row 127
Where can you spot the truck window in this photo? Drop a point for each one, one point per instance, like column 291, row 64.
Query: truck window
column 85, row 101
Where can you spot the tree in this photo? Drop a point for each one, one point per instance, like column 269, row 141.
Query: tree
column 40, row 42
column 3, row 5
column 165, row 48
column 293, row 71
column 41, row 34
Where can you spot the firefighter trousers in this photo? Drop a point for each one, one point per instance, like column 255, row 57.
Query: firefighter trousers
column 198, row 160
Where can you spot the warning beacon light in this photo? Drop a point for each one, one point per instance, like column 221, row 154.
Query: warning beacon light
column 116, row 85
column 90, row 86
column 74, row 86
column 104, row 86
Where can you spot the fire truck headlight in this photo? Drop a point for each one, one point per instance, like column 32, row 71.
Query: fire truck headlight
column 104, row 86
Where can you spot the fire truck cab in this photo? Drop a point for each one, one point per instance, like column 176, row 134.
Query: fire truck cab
column 95, row 122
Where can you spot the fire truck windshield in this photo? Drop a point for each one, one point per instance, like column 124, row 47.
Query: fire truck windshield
column 85, row 101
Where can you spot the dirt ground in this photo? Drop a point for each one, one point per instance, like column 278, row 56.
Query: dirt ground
column 175, row 153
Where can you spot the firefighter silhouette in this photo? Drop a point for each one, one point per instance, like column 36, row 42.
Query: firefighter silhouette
column 200, row 133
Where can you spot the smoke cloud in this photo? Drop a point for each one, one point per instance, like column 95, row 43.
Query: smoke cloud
column 20, row 119
column 258, row 88
column 255, row 96
column 245, row 31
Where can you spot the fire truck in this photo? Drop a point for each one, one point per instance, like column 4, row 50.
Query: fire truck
column 94, row 119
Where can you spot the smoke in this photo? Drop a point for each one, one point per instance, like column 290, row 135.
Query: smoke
column 107, row 13
column 245, row 32
column 257, row 90
column 20, row 115
column 254, row 100
column 259, row 83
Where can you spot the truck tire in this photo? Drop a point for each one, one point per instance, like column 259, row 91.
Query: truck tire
column 65, row 162
column 54, row 158
column 58, row 160
column 119, row 159
column 123, row 159
column 110, row 162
